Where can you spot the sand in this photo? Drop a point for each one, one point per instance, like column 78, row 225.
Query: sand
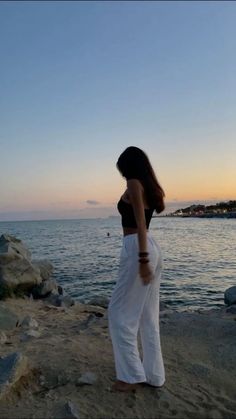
column 199, row 351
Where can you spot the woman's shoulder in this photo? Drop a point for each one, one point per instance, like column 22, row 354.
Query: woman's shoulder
column 135, row 187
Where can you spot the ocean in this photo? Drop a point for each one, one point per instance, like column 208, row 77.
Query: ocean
column 199, row 256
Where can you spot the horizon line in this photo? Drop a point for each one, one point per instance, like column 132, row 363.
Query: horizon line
column 41, row 213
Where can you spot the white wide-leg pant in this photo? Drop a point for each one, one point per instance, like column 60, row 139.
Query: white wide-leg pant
column 133, row 307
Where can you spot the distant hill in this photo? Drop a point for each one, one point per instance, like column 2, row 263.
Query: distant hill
column 221, row 209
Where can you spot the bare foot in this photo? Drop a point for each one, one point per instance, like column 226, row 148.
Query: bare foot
column 122, row 386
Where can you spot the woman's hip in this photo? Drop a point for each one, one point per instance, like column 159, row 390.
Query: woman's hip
column 130, row 248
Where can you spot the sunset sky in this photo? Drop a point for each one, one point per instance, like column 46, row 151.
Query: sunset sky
column 81, row 81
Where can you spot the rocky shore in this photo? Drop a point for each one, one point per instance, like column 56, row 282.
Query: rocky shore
column 56, row 357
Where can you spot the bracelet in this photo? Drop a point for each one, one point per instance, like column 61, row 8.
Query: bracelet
column 143, row 254
column 143, row 260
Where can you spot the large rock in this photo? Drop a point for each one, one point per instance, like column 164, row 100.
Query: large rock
column 12, row 368
column 45, row 288
column 17, row 273
column 45, row 267
column 12, row 248
column 230, row 296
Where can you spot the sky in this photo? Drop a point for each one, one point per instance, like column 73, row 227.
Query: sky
column 81, row 81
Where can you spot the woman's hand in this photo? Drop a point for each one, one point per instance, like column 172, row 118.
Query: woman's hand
column 146, row 273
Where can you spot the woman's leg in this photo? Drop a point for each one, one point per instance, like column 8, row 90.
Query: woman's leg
column 150, row 334
column 124, row 313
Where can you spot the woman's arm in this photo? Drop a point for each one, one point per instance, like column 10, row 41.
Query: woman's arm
column 135, row 191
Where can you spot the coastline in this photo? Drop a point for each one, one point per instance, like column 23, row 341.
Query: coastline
column 199, row 355
column 225, row 216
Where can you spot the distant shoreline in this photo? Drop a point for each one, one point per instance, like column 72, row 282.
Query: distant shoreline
column 219, row 210
column 227, row 215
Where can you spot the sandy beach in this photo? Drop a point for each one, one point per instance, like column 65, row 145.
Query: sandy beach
column 198, row 348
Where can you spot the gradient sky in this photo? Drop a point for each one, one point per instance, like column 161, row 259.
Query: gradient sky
column 81, row 81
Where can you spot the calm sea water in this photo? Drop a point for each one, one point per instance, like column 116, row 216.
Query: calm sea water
column 199, row 256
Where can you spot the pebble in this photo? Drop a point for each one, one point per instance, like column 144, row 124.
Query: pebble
column 88, row 378
column 72, row 410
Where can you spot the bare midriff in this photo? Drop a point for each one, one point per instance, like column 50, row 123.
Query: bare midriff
column 129, row 230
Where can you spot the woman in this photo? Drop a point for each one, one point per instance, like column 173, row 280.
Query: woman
column 134, row 303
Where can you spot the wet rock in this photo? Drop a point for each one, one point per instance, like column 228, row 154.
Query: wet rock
column 230, row 296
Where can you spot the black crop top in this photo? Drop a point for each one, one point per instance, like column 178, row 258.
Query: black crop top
column 127, row 214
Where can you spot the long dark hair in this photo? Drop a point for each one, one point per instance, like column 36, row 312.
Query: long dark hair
column 133, row 163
